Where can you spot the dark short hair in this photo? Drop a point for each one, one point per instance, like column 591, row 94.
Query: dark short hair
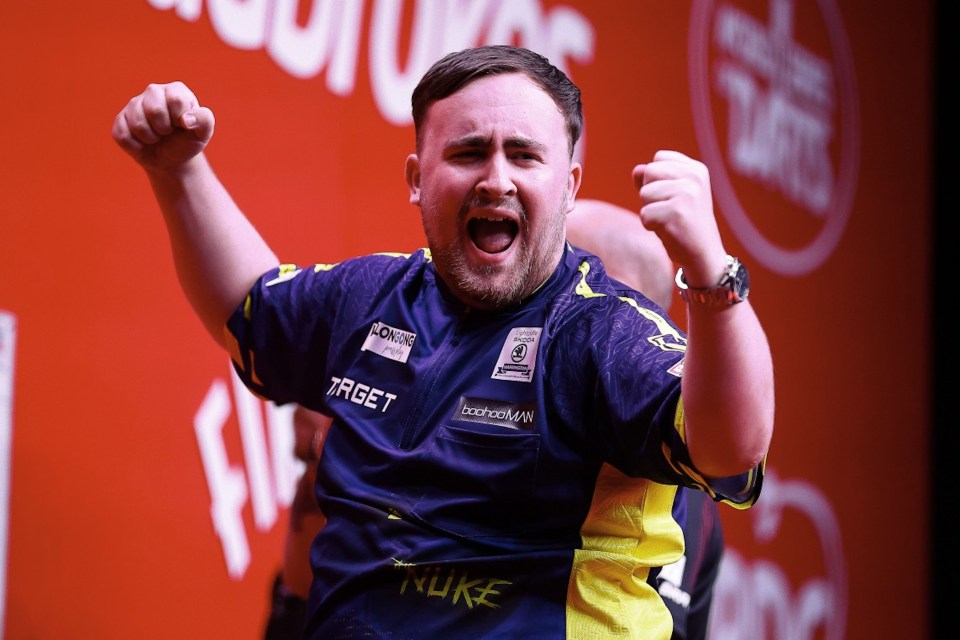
column 458, row 69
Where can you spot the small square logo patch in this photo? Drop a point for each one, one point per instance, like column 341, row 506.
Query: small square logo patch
column 518, row 356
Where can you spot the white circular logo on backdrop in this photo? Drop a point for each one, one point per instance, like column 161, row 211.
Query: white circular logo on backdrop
column 775, row 110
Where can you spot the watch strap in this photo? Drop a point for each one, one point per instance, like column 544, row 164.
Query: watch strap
column 734, row 287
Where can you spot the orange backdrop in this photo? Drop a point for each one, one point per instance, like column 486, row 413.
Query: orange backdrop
column 143, row 494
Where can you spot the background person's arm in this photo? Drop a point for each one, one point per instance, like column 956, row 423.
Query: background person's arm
column 630, row 253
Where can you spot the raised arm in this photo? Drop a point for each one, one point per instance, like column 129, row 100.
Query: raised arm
column 218, row 254
column 728, row 390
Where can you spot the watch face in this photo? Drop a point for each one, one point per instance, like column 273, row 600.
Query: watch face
column 734, row 287
column 742, row 282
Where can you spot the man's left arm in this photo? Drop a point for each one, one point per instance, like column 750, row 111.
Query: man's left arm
column 727, row 386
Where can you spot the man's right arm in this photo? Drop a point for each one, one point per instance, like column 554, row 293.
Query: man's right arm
column 217, row 252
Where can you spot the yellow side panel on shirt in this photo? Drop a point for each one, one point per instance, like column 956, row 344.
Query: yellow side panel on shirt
column 629, row 530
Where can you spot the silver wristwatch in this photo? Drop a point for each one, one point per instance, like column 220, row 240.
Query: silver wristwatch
column 734, row 287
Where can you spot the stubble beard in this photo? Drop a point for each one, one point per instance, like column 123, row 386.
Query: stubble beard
column 492, row 286
column 500, row 286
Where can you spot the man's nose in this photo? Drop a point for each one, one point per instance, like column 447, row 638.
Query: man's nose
column 497, row 178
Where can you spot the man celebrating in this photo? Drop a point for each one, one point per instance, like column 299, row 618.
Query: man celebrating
column 477, row 387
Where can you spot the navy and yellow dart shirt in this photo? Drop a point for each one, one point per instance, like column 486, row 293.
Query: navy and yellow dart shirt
column 488, row 474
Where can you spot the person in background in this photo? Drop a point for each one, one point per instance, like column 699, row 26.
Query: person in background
column 630, row 252
column 478, row 387
column 288, row 597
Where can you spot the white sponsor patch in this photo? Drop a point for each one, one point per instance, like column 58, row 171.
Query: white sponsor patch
column 518, row 357
column 389, row 342
column 497, row 412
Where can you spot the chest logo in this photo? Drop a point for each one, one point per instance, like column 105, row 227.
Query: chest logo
column 496, row 412
column 389, row 342
column 518, row 356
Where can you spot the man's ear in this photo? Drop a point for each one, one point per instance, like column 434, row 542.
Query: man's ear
column 412, row 174
column 573, row 185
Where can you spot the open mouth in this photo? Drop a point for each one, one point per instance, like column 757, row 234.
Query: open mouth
column 492, row 235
